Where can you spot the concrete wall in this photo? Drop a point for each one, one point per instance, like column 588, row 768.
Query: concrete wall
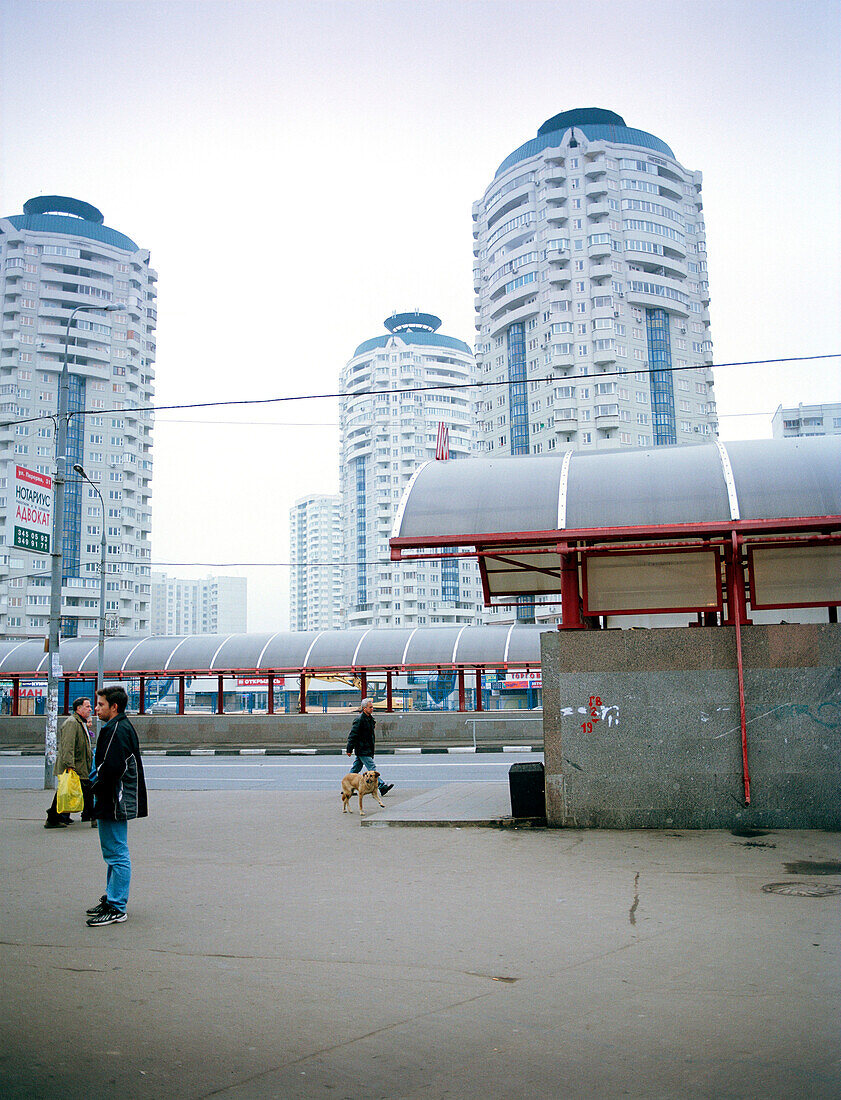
column 666, row 751
column 433, row 728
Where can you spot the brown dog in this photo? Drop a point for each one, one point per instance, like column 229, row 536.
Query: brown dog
column 364, row 783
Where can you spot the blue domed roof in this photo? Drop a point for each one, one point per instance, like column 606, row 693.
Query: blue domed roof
column 69, row 217
column 413, row 328
column 428, row 339
column 595, row 123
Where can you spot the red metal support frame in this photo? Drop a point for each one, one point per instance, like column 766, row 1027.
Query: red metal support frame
column 570, row 592
column 220, row 694
column 270, row 697
column 141, row 696
column 461, row 701
column 363, row 684
column 478, row 703
column 181, row 693
column 66, row 696
column 15, row 696
column 302, row 697
column 388, row 699
column 737, row 623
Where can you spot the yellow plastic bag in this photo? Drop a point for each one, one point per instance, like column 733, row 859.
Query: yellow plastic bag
column 69, row 799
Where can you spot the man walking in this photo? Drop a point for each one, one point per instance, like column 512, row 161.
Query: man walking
column 361, row 742
column 74, row 754
column 119, row 792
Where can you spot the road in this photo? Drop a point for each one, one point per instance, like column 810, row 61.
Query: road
column 287, row 773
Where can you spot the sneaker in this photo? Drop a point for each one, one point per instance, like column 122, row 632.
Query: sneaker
column 385, row 788
column 106, row 915
column 94, row 909
column 57, row 824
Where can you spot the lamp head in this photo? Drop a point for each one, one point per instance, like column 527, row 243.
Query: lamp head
column 79, row 469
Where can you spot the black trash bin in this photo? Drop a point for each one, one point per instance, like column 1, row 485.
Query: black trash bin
column 528, row 790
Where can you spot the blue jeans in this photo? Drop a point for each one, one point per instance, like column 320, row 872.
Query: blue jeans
column 113, row 839
column 366, row 763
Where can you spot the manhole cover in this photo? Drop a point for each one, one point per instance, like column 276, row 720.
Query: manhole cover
column 801, row 889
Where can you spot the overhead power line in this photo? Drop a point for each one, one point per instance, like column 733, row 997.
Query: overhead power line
column 439, row 387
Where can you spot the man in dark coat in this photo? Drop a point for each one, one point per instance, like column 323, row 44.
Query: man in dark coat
column 361, row 742
column 119, row 792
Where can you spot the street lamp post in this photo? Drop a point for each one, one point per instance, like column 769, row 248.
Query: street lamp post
column 54, row 669
column 103, row 554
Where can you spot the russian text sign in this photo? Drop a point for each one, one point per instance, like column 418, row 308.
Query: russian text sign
column 33, row 510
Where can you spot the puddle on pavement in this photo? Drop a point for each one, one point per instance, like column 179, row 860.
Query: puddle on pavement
column 744, row 830
column 814, row 867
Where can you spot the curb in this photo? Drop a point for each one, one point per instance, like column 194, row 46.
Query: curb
column 308, row 751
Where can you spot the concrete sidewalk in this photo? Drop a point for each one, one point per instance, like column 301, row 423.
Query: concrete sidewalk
column 275, row 949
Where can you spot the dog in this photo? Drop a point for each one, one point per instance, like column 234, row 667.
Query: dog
column 364, row 783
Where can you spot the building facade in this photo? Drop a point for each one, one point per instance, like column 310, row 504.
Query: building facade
column 806, row 420
column 592, row 298
column 390, row 422
column 57, row 255
column 316, row 545
column 210, row 605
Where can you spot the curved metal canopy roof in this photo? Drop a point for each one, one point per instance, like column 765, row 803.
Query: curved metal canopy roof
column 533, row 520
column 713, row 483
column 343, row 650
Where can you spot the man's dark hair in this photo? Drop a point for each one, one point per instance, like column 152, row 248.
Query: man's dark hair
column 80, row 702
column 115, row 696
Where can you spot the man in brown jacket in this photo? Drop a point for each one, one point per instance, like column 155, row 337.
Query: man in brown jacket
column 74, row 754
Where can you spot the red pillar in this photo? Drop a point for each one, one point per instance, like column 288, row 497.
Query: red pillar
column 220, row 694
column 461, row 690
column 734, row 573
column 141, row 696
column 302, row 708
column 388, row 700
column 570, row 594
column 180, row 694
column 66, row 696
column 270, row 705
column 478, row 689
column 15, row 696
column 363, row 681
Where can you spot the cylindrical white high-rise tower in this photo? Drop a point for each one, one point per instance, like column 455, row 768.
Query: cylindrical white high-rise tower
column 57, row 255
column 389, row 419
column 591, row 289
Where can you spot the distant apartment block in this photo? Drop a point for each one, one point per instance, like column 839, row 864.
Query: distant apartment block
column 317, row 553
column 807, row 420
column 212, row 605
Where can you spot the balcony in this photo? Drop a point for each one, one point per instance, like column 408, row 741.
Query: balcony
column 556, row 215
column 606, row 416
column 600, row 271
column 605, row 355
column 566, row 419
column 597, row 210
column 598, row 251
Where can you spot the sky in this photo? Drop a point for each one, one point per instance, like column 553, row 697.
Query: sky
column 300, row 170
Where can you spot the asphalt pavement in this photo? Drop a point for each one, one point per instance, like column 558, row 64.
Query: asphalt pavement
column 290, row 772
column 275, row 949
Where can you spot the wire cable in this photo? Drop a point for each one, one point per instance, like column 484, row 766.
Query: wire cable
column 442, row 387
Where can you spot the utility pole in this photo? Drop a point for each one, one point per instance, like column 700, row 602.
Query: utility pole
column 54, row 669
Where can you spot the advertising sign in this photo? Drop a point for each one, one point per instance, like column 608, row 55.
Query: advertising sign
column 522, row 680
column 33, row 510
